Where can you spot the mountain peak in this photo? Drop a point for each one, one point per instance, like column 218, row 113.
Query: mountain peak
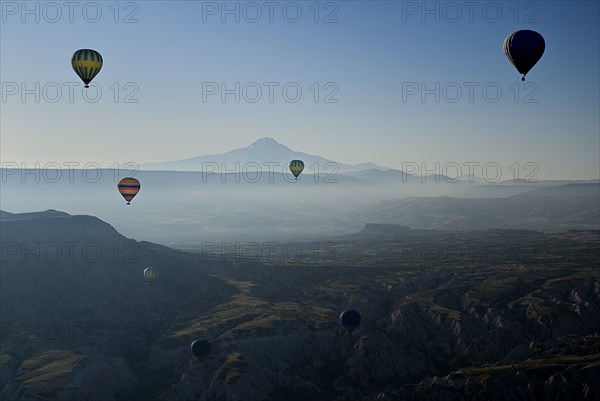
column 266, row 139
column 268, row 146
column 265, row 142
column 262, row 150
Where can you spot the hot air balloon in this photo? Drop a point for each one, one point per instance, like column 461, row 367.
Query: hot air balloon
column 296, row 167
column 129, row 187
column 350, row 319
column 87, row 64
column 150, row 274
column 524, row 49
column 201, row 349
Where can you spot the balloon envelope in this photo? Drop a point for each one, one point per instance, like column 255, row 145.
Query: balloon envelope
column 87, row 63
column 128, row 188
column 524, row 49
column 296, row 167
column 350, row 319
column 150, row 274
column 200, row 349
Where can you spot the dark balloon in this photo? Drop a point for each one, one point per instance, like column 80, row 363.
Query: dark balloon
column 524, row 49
column 350, row 319
column 201, row 349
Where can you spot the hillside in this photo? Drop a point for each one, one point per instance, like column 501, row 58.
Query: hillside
column 550, row 209
column 72, row 293
column 442, row 311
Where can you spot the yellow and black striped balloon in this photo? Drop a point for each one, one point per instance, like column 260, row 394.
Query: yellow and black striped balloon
column 150, row 274
column 87, row 64
column 296, row 167
column 128, row 188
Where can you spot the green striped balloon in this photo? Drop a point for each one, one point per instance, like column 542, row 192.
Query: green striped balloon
column 296, row 167
column 87, row 64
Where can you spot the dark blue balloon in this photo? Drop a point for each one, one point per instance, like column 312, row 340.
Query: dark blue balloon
column 201, row 349
column 350, row 319
column 524, row 49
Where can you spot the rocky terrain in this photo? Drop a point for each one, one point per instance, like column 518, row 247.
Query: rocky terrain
column 494, row 315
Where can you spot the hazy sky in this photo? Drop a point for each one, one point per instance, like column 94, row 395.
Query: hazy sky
column 373, row 57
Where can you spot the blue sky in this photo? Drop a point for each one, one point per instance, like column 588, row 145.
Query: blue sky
column 369, row 58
